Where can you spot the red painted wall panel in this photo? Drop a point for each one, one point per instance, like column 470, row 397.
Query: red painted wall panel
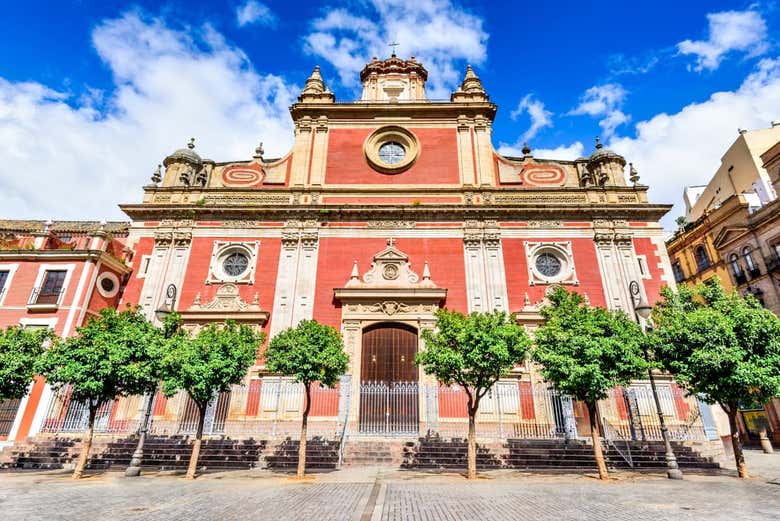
column 437, row 162
column 132, row 292
column 644, row 246
column 336, row 257
column 585, row 264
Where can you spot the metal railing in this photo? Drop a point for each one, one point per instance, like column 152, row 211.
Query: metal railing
column 612, row 436
column 39, row 296
column 273, row 409
column 390, row 408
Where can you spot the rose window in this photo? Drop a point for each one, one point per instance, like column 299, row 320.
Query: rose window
column 235, row 264
column 392, row 153
column 548, row 264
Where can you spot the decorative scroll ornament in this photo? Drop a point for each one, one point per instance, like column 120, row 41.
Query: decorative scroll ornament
column 390, row 269
column 225, row 299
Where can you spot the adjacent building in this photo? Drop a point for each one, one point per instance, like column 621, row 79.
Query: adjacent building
column 735, row 236
column 54, row 275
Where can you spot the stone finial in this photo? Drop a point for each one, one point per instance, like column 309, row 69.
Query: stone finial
column 157, row 175
column 191, row 144
column 196, row 302
column 527, row 299
column 426, row 272
column 256, row 299
column 526, row 149
column 598, row 143
column 633, row 174
column 355, row 275
column 314, row 84
column 314, row 90
column 259, row 152
column 47, row 225
column 586, row 299
column 471, row 89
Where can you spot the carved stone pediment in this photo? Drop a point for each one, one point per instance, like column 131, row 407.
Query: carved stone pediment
column 227, row 304
column 226, row 298
column 390, row 268
column 390, row 288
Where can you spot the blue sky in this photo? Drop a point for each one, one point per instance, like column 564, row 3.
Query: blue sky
column 94, row 93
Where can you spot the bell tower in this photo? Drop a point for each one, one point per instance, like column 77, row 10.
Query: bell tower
column 393, row 80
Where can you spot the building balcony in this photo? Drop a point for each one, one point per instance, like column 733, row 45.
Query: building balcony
column 44, row 301
column 772, row 263
column 740, row 278
column 754, row 273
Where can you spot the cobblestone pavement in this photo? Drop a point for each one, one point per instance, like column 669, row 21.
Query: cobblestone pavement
column 385, row 495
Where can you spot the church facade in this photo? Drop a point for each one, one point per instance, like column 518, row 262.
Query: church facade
column 384, row 210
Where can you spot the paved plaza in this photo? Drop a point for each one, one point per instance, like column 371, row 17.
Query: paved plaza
column 370, row 494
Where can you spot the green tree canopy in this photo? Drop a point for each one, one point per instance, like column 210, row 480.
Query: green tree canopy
column 586, row 351
column 20, row 349
column 205, row 364
column 473, row 351
column 113, row 355
column 720, row 345
column 310, row 352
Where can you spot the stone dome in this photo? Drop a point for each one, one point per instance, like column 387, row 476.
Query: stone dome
column 188, row 155
column 602, row 153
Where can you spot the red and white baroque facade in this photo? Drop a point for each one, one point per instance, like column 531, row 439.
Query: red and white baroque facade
column 385, row 209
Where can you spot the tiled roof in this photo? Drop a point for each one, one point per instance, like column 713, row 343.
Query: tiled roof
column 31, row 226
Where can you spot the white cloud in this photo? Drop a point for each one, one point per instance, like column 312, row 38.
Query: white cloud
column 253, row 12
column 743, row 31
column 605, row 101
column 438, row 32
column 671, row 151
column 540, row 117
column 71, row 159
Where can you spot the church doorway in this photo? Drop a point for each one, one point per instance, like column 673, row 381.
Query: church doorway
column 389, row 391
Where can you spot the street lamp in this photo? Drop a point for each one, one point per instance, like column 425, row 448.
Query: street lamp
column 642, row 310
column 161, row 314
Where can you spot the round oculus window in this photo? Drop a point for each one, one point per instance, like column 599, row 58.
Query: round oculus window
column 548, row 264
column 107, row 284
column 392, row 153
column 235, row 264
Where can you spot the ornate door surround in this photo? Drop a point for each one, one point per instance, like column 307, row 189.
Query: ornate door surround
column 388, row 292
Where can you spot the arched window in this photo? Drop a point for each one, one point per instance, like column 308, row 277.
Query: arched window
column 747, row 254
column 702, row 258
column 679, row 275
column 736, row 267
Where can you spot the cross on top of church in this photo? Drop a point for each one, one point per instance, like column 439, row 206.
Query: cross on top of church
column 393, row 45
column 391, row 242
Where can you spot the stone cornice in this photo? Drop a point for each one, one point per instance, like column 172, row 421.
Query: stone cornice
column 65, row 255
column 416, row 109
column 422, row 213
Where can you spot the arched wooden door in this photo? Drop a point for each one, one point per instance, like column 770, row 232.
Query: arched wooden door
column 389, row 397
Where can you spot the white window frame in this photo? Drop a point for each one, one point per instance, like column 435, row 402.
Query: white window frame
column 43, row 268
column 11, row 269
column 644, row 267
column 143, row 266
column 107, row 275
column 223, row 248
column 562, row 250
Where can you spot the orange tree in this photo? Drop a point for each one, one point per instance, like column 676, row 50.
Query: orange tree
column 473, row 351
column 309, row 352
column 586, row 351
column 113, row 355
column 205, row 364
column 721, row 346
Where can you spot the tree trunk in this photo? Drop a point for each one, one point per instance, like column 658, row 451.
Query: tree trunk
column 736, row 443
column 84, row 456
column 472, row 451
column 595, row 434
column 193, row 467
column 302, row 446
